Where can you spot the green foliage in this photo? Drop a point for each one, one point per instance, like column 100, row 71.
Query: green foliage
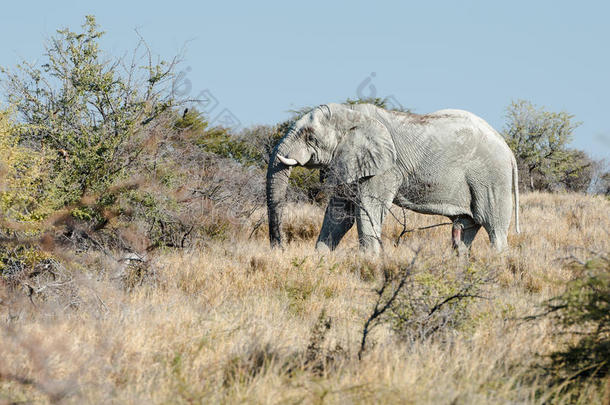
column 308, row 183
column 191, row 120
column 80, row 106
column 433, row 302
column 26, row 188
column 579, row 176
column 253, row 147
column 218, row 140
column 222, row 143
column 27, row 196
column 583, row 314
column 539, row 139
column 94, row 148
column 429, row 303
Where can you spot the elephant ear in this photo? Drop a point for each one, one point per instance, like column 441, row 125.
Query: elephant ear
column 367, row 149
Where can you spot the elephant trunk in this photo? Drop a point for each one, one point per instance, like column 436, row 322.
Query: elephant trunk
column 278, row 174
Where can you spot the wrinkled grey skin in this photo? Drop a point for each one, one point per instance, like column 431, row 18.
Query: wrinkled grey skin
column 449, row 163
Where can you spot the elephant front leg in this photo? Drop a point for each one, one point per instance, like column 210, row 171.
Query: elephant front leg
column 370, row 214
column 373, row 202
column 339, row 219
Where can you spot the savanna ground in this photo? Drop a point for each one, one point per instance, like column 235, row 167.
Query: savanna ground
column 233, row 321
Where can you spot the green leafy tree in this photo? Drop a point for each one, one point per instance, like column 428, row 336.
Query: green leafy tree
column 220, row 141
column 92, row 110
column 539, row 140
column 579, row 176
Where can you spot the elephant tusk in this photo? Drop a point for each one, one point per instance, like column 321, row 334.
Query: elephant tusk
column 287, row 161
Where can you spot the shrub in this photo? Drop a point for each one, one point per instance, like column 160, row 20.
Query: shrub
column 217, row 140
column 437, row 301
column 539, row 140
column 26, row 193
column 419, row 304
column 100, row 139
column 79, row 106
column 582, row 313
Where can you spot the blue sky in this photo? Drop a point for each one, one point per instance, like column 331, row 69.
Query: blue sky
column 260, row 59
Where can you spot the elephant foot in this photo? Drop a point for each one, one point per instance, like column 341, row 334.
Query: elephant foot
column 322, row 247
column 370, row 245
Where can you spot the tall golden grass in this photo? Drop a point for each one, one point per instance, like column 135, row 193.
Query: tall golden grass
column 234, row 321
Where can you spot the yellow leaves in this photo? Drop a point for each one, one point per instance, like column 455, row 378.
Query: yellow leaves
column 22, row 176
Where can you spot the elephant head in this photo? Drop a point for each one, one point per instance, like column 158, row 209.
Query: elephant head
column 347, row 142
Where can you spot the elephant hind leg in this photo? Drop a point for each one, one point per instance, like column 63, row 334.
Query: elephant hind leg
column 498, row 228
column 463, row 233
column 498, row 239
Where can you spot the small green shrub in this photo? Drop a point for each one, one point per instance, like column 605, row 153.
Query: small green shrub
column 418, row 302
column 582, row 314
column 436, row 301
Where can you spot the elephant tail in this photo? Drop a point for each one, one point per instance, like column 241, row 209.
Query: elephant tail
column 516, row 193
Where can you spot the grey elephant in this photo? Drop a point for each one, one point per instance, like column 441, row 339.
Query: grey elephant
column 449, row 163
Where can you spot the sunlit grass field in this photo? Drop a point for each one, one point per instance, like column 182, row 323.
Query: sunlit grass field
column 233, row 321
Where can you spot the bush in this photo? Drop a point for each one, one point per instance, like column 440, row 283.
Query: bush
column 219, row 141
column 98, row 155
column 26, row 193
column 436, row 302
column 579, row 177
column 79, row 106
column 539, row 140
column 423, row 303
column 582, row 314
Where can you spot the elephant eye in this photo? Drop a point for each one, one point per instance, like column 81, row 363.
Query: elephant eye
column 310, row 137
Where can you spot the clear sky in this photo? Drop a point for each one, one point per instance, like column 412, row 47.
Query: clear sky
column 258, row 60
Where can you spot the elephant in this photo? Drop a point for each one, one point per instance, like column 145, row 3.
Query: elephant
column 449, row 162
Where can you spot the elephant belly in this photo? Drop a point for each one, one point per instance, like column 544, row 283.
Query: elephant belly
column 449, row 196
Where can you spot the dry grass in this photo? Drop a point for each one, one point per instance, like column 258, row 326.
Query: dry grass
column 236, row 322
